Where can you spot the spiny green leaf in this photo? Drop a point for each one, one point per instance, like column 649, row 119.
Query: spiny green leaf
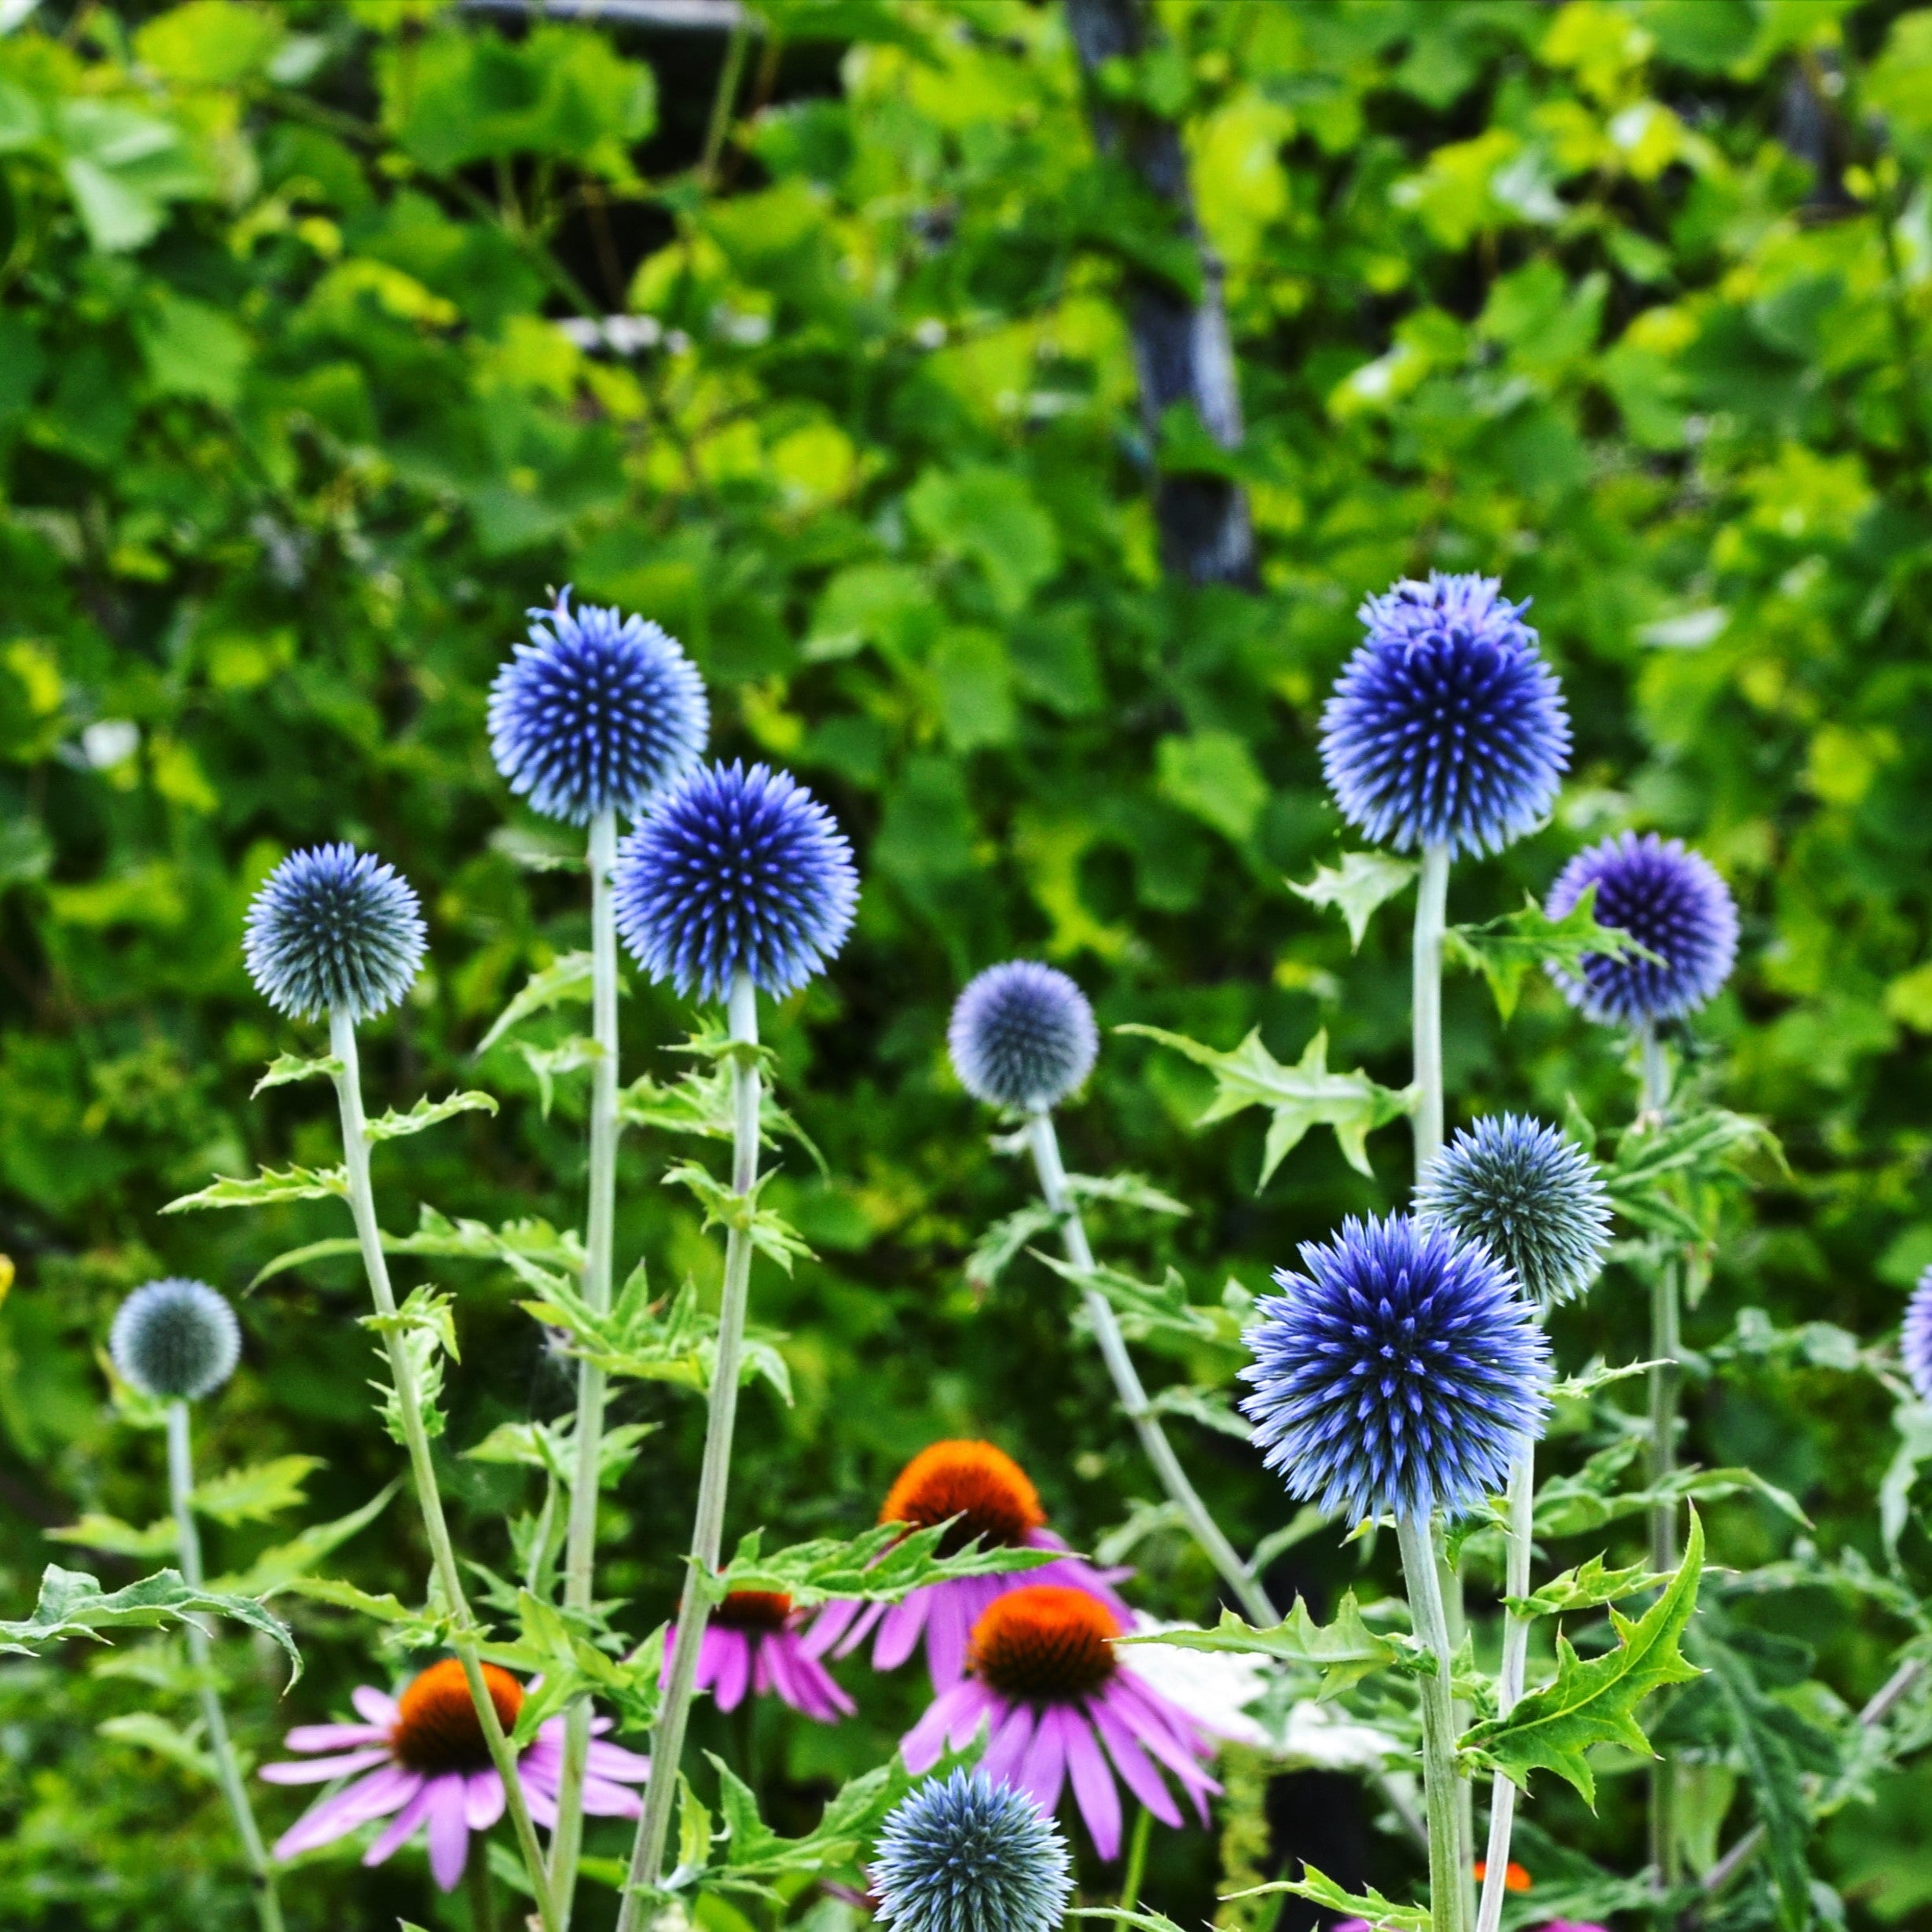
column 1586, row 1587
column 568, row 977
column 770, row 1233
column 1208, row 1407
column 526, row 1247
column 1503, row 951
column 257, row 1492
column 1126, row 1190
column 94, row 1531
column 267, row 1187
column 276, row 1569
column 548, row 1063
column 1656, row 1163
column 1593, row 1701
column 1344, row 1651
column 1299, row 1097
column 286, row 1068
column 883, row 1565
column 420, row 1629
column 1318, row 1887
column 1149, row 1310
column 1364, row 882
column 427, row 1113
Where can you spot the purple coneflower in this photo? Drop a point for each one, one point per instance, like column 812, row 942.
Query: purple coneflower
column 1043, row 1676
column 424, row 1765
column 983, row 1493
column 752, row 1641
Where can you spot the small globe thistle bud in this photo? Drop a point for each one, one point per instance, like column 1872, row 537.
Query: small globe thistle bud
column 1533, row 1198
column 735, row 871
column 333, row 928
column 175, row 1338
column 1401, row 1372
column 1915, row 1340
column 1022, row 1035
column 1668, row 898
column 596, row 712
column 965, row 1854
column 1446, row 727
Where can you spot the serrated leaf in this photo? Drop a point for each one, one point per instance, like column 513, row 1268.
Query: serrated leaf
column 1299, row 1097
column 883, row 1565
column 1149, row 1310
column 286, row 1068
column 548, row 1063
column 276, row 1569
column 700, row 1103
column 152, row 1732
column 770, row 1233
column 547, row 1447
column 266, row 1188
column 1126, row 1190
column 528, row 1247
column 1344, row 1651
column 568, row 977
column 73, row 1604
column 1208, row 1407
column 1655, row 1163
column 1593, row 1701
column 1503, row 951
column 109, row 1533
column 756, row 1858
column 427, row 1113
column 1587, row 1587
column 1581, row 1504
column 420, row 1628
column 1913, row 1421
column 256, row 1493
column 1362, row 882
column 1003, row 1240
column 1141, row 1918
column 1378, row 1912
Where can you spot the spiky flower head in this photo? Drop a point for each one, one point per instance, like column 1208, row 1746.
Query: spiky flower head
column 175, row 1338
column 596, row 712
column 1915, row 1341
column 1446, row 727
column 1402, row 1370
column 735, row 871
column 965, row 1854
column 1022, row 1035
column 333, row 928
column 1670, row 900
column 1534, row 1198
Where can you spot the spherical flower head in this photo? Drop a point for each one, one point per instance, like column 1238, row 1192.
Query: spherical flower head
column 966, row 1855
column 175, row 1338
column 1446, row 727
column 333, row 929
column 1915, row 1340
column 1671, row 901
column 735, row 871
column 1402, row 1371
column 1022, row 1035
column 596, row 712
column 1534, row 1198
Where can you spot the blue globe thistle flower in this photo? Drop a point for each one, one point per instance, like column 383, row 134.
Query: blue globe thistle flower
column 966, row 1855
column 1668, row 898
column 1531, row 1197
column 735, row 871
column 1446, row 727
column 1022, row 1035
column 1402, row 1371
column 175, row 1338
column 596, row 712
column 333, row 928
column 1916, row 1339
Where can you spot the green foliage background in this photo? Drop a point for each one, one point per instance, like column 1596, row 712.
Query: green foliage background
column 1628, row 302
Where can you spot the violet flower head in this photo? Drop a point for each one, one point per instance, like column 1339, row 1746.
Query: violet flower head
column 596, row 712
column 1916, row 1337
column 333, row 929
column 1531, row 1197
column 175, row 1338
column 735, row 871
column 965, row 1855
column 1022, row 1035
column 1446, row 727
column 1403, row 1371
column 1671, row 901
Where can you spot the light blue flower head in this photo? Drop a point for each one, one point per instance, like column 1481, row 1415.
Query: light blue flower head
column 962, row 1855
column 333, row 929
column 1534, row 1198
column 1403, row 1371
column 175, row 1338
column 735, row 871
column 1022, row 1035
column 1446, row 727
column 1915, row 1341
column 596, row 712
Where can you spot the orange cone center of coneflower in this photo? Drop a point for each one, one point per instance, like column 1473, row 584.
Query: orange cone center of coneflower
column 1045, row 1643
column 754, row 1610
column 980, row 1485
column 437, row 1728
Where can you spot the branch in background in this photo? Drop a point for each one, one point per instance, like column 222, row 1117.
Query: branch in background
column 1180, row 342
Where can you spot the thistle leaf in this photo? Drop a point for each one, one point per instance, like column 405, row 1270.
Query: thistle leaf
column 110, row 1535
column 1503, row 951
column 1344, row 1651
column 266, row 1188
column 568, row 977
column 278, row 1568
column 427, row 1113
column 256, row 1493
column 1364, row 882
column 1317, row 1886
column 1587, row 1587
column 884, row 1565
column 286, row 1068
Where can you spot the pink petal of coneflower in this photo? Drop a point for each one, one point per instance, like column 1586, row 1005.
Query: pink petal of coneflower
column 1093, row 1787
column 402, row 1827
column 1012, row 1732
column 329, row 1737
column 321, row 1770
column 337, row 1817
column 378, row 1706
column 1136, row 1772
column 449, row 1831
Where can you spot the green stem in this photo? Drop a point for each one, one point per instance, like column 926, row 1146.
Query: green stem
column 463, row 1637
column 1447, row 1899
column 1136, row 1873
column 181, row 1483
column 1509, row 1683
column 1046, row 1159
column 1431, row 917
column 580, row 1546
column 647, row 1852
column 722, row 102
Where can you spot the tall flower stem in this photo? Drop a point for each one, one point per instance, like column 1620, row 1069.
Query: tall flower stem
column 1447, row 1895
column 1046, row 1159
column 580, row 1544
column 1425, row 1006
column 1665, row 1377
column 647, row 1853
column 181, row 1484
column 463, row 1639
column 1509, row 1684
